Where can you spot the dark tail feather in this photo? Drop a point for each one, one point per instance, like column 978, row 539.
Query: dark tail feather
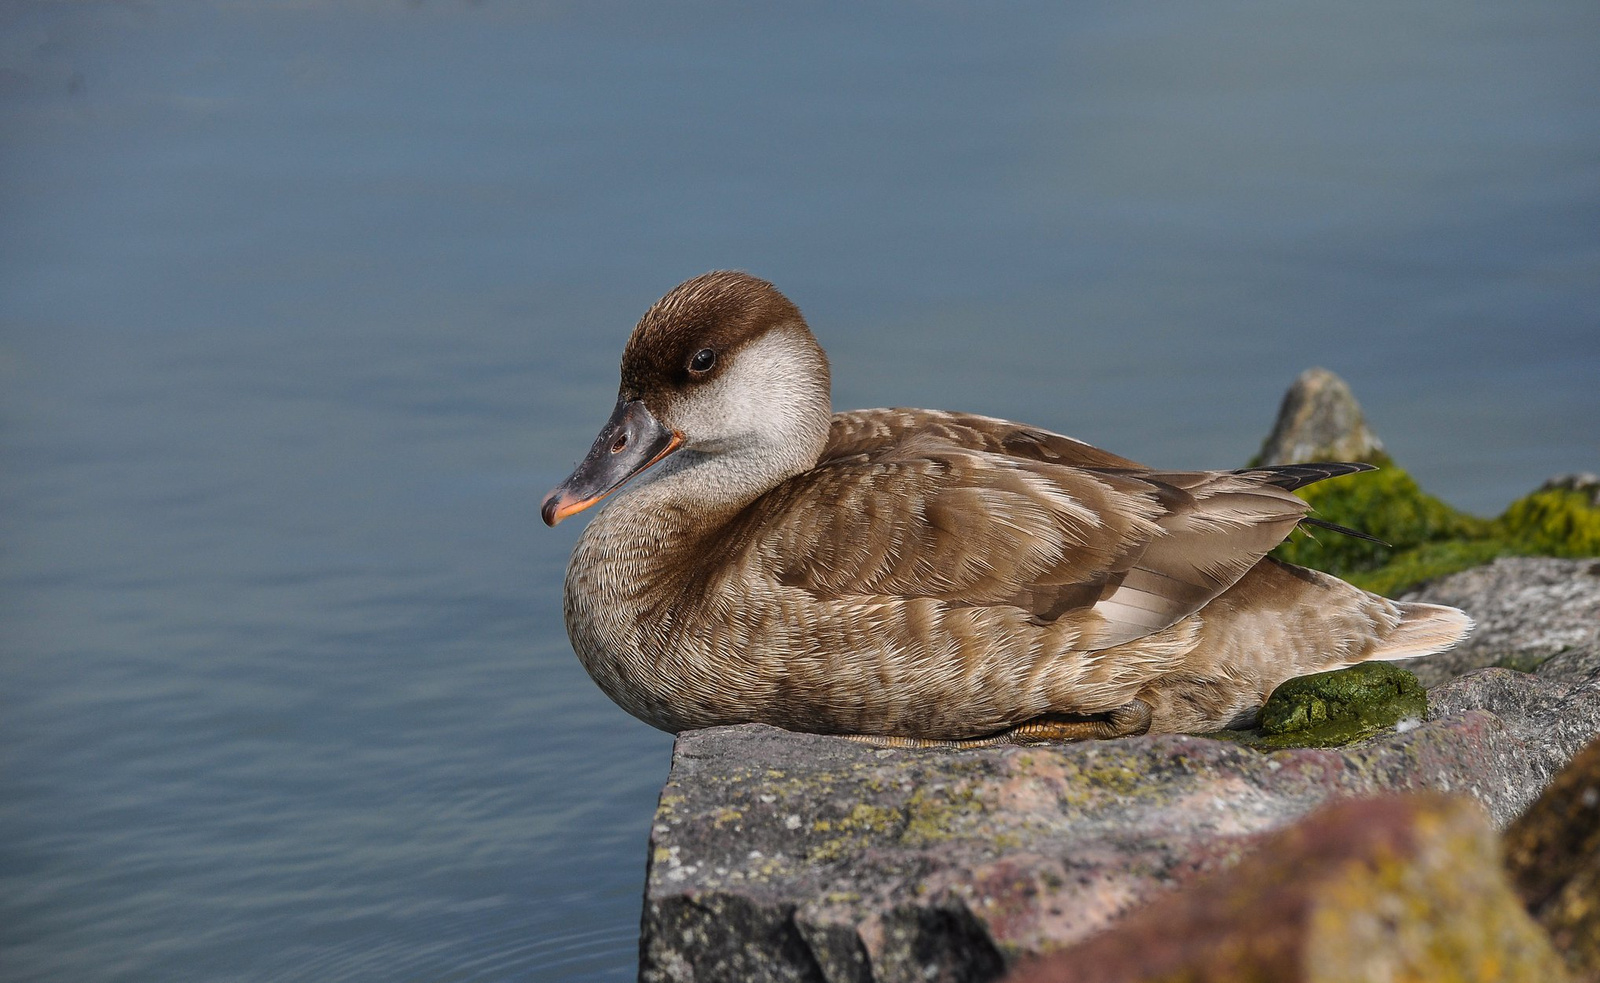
column 1343, row 530
column 1292, row 476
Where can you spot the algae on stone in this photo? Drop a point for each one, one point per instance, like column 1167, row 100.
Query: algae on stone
column 1387, row 504
column 1554, row 522
column 1428, row 538
column 1320, row 420
column 1334, row 708
column 1343, row 705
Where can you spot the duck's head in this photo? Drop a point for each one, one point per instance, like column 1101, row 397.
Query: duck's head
column 721, row 376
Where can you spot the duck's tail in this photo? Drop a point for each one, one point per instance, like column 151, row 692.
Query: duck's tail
column 1423, row 629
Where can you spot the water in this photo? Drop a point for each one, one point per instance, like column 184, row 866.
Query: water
column 304, row 305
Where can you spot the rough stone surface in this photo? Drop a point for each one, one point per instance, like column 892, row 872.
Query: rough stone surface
column 780, row 856
column 1319, row 420
column 1393, row 888
column 1530, row 612
column 1553, row 854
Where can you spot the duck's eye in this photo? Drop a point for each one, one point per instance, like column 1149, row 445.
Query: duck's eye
column 703, row 360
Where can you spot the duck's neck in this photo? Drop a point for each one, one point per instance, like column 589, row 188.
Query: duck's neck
column 641, row 553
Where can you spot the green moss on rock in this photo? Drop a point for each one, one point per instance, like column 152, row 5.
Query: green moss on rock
column 1331, row 709
column 1387, row 504
column 1427, row 537
column 1428, row 562
column 1553, row 522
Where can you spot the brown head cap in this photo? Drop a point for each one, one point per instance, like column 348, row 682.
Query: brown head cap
column 721, row 311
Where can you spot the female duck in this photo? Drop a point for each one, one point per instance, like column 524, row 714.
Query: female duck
column 923, row 577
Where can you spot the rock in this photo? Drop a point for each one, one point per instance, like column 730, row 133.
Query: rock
column 1531, row 612
column 800, row 857
column 1319, row 420
column 1553, row 854
column 1394, row 888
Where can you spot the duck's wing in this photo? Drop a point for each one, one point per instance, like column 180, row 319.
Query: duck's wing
column 870, row 431
column 922, row 517
column 1215, row 526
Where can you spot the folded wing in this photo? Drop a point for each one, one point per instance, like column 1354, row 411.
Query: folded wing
column 975, row 512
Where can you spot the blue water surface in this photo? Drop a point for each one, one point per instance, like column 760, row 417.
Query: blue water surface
column 304, row 303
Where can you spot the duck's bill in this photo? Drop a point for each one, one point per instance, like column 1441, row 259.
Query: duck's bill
column 631, row 441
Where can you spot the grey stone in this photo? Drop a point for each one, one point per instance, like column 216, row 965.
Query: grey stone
column 1531, row 613
column 1319, row 420
column 781, row 856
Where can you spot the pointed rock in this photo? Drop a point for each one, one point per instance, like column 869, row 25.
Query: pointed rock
column 1319, row 420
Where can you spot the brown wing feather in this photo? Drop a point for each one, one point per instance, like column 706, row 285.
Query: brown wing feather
column 979, row 512
column 1217, row 526
column 870, row 431
column 962, row 526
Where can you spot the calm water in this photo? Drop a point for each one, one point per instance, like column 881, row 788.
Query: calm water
column 305, row 304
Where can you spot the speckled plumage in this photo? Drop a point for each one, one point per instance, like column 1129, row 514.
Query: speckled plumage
column 923, row 574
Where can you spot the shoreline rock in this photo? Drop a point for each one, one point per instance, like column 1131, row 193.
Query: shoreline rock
column 1553, row 854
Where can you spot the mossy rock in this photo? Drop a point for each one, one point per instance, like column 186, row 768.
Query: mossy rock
column 1428, row 538
column 1553, row 522
column 1429, row 562
column 1335, row 708
column 1387, row 504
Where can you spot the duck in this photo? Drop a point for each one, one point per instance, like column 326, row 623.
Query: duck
column 925, row 578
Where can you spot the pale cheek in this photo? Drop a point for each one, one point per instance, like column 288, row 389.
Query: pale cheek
column 759, row 397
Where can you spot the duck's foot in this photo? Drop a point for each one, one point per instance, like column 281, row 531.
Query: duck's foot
column 1129, row 720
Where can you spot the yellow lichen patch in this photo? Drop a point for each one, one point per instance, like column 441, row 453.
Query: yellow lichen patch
column 668, row 803
column 865, row 823
column 930, row 816
column 1113, row 775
